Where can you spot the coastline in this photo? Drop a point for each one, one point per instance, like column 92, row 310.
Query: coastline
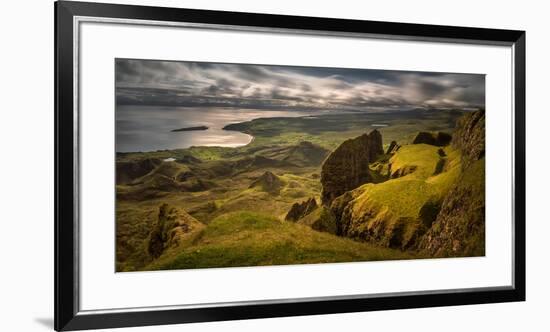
column 251, row 140
column 151, row 128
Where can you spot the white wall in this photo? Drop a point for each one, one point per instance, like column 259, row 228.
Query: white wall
column 26, row 165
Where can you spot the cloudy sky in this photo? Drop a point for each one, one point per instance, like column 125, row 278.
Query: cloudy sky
column 146, row 82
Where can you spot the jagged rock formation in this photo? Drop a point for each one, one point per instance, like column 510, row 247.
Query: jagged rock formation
column 459, row 228
column 268, row 182
column 348, row 166
column 393, row 147
column 438, row 139
column 127, row 171
column 300, row 210
column 321, row 219
column 394, row 174
column 173, row 225
column 364, row 220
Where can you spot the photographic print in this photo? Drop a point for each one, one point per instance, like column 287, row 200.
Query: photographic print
column 231, row 165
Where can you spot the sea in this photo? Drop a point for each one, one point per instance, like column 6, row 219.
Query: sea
column 149, row 128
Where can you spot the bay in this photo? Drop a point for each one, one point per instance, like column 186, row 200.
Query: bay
column 149, row 128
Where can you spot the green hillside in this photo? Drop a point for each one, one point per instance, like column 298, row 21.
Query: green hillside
column 252, row 239
column 418, row 200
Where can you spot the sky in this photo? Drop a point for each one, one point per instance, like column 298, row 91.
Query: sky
column 172, row 83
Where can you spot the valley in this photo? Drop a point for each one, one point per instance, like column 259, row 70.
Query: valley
column 333, row 187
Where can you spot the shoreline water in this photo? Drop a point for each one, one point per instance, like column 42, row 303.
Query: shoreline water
column 149, row 128
column 252, row 138
column 230, row 146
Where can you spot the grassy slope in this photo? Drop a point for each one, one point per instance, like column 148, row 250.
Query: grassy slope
column 135, row 218
column 404, row 196
column 252, row 239
column 468, row 223
column 401, row 199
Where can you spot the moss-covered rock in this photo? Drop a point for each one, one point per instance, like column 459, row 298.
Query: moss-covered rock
column 172, row 226
column 300, row 210
column 459, row 228
column 469, row 137
column 397, row 212
column 321, row 219
column 268, row 182
column 393, row 147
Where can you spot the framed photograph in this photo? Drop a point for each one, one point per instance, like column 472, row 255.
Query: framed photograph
column 219, row 165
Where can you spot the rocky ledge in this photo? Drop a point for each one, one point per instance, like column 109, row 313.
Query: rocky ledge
column 300, row 210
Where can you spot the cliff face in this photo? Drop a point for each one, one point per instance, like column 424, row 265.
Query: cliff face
column 459, row 228
column 361, row 214
column 469, row 137
column 348, row 166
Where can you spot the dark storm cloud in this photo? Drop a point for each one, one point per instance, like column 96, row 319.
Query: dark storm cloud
column 257, row 86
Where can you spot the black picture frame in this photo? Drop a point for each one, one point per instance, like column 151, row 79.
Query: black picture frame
column 67, row 313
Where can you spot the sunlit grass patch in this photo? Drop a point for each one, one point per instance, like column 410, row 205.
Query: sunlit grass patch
column 251, row 239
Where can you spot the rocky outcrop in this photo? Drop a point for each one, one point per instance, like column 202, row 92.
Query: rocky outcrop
column 127, row 171
column 459, row 228
column 300, row 210
column 321, row 219
column 348, row 166
column 406, row 170
column 363, row 220
column 173, row 225
column 438, row 139
column 268, row 182
column 185, row 175
column 393, row 147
